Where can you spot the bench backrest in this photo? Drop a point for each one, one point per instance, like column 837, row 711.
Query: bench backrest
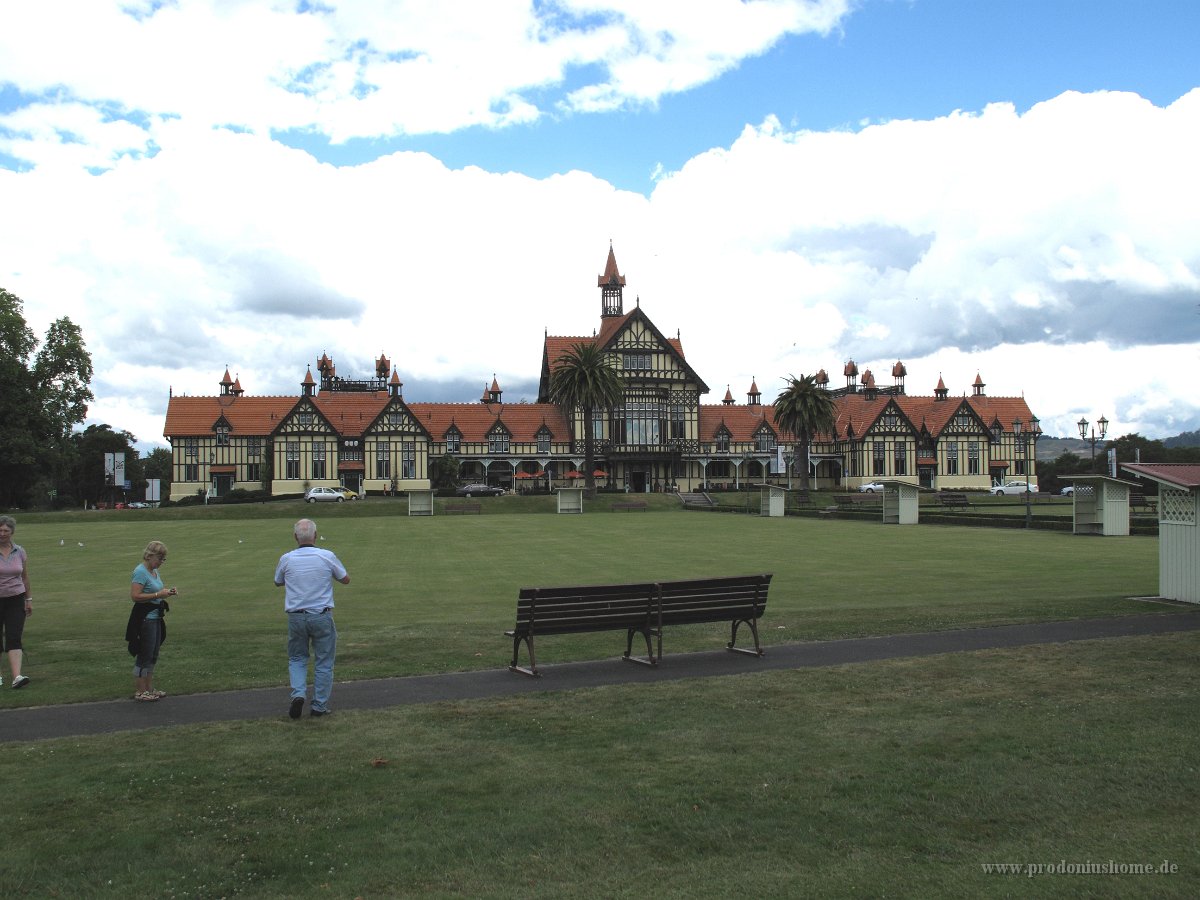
column 599, row 607
column 714, row 599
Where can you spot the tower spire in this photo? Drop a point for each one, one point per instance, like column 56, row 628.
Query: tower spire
column 612, row 287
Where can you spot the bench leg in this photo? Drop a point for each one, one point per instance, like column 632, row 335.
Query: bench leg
column 513, row 667
column 732, row 645
column 650, row 659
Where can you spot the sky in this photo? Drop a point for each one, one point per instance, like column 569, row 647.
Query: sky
column 1001, row 188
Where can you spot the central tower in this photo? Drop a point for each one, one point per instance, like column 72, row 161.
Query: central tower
column 612, row 288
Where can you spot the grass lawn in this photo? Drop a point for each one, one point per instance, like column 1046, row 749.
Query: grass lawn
column 436, row 594
column 902, row 778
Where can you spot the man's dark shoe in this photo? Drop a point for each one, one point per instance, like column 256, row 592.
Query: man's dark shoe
column 296, row 708
column 318, row 712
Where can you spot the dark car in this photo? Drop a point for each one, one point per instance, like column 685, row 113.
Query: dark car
column 479, row 490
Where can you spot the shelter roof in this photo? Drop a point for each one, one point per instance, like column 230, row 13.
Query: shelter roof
column 1180, row 475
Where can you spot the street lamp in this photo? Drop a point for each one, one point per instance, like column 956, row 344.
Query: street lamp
column 1022, row 438
column 1092, row 438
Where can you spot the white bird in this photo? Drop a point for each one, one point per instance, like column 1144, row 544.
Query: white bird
column 61, row 542
column 81, row 543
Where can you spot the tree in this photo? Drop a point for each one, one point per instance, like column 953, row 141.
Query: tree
column 87, row 478
column 444, row 472
column 41, row 399
column 805, row 410
column 157, row 464
column 584, row 380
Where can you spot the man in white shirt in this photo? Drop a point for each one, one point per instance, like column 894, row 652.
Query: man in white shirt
column 307, row 574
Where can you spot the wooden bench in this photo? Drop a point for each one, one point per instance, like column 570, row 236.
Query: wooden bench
column 864, row 499
column 1138, row 500
column 631, row 505
column 954, row 500
column 463, row 508
column 643, row 608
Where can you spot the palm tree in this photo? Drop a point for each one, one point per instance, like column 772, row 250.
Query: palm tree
column 583, row 379
column 806, row 411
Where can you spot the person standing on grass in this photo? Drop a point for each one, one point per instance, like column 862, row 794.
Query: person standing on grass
column 146, row 629
column 307, row 574
column 16, row 604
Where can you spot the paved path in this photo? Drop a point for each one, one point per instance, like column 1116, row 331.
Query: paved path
column 39, row 723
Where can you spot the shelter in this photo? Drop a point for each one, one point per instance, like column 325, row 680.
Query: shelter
column 1100, row 505
column 1178, row 526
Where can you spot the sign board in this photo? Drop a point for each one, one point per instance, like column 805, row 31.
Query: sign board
column 114, row 469
column 153, row 490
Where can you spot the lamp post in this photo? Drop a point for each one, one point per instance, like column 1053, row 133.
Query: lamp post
column 1022, row 437
column 1092, row 438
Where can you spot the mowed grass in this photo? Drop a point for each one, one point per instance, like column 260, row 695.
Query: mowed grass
column 436, row 594
column 901, row 778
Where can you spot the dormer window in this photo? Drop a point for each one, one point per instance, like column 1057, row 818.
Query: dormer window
column 222, row 433
column 543, row 440
column 453, row 440
column 722, row 442
column 499, row 441
column 394, row 418
column 764, row 441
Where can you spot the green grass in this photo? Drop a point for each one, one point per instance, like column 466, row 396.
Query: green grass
column 898, row 778
column 435, row 594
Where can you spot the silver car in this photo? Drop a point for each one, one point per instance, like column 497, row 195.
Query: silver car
column 324, row 494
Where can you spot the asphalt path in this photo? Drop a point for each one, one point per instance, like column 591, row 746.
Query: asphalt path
column 79, row 719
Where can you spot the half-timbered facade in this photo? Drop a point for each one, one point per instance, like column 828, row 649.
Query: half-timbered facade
column 362, row 434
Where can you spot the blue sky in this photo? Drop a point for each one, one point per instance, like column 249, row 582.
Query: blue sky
column 996, row 188
column 891, row 59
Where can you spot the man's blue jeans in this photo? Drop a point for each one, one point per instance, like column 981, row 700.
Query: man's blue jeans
column 318, row 630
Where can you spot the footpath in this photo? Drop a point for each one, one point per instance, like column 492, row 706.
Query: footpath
column 80, row 719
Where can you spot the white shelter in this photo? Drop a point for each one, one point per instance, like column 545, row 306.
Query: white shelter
column 1178, row 526
column 1100, row 505
column 901, row 503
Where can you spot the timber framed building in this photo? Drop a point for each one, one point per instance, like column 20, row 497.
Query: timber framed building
column 364, row 435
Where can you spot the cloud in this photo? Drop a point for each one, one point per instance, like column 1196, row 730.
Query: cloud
column 1057, row 250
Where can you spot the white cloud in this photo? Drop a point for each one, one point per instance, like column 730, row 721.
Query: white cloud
column 1057, row 252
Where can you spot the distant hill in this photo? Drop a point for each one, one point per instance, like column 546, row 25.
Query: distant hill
column 1187, row 439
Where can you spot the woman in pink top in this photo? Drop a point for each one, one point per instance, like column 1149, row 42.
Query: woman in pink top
column 15, row 603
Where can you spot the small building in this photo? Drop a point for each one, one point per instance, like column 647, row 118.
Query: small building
column 1100, row 505
column 1178, row 526
column 901, row 503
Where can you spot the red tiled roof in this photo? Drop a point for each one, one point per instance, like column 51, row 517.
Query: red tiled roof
column 1183, row 475
column 195, row 416
column 475, row 420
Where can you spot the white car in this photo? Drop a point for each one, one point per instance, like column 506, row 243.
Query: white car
column 1013, row 487
column 323, row 495
column 872, row 487
column 1068, row 490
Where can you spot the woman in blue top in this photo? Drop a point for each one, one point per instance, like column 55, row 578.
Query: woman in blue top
column 147, row 588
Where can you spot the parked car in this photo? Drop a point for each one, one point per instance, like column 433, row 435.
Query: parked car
column 347, row 493
column 479, row 490
column 138, row 504
column 1013, row 487
column 1068, row 490
column 324, row 495
column 872, row 487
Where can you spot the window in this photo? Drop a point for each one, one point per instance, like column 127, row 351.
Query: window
column 253, row 448
column 764, row 441
column 498, row 442
column 292, row 460
column 1019, row 451
column 383, row 460
column 543, row 441
column 453, row 441
column 636, row 361
column 973, row 458
column 952, row 458
column 254, row 471
column 642, row 421
column 191, row 450
column 318, row 461
column 191, row 472
column 598, row 424
column 722, row 442
column 222, row 432
column 678, row 421
column 394, row 419
column 305, row 419
column 352, row 451
column 720, row 469
column 408, row 461
column 891, row 420
column 900, row 458
column 878, row 458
